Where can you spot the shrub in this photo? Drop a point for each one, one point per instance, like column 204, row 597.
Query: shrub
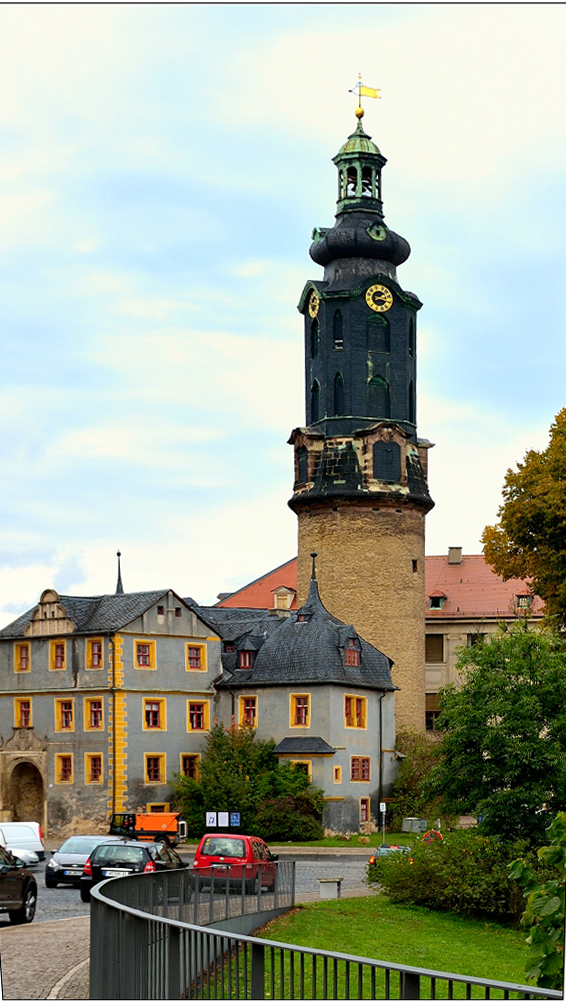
column 289, row 818
column 410, row 794
column 466, row 873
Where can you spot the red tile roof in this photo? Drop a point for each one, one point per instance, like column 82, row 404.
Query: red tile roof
column 471, row 588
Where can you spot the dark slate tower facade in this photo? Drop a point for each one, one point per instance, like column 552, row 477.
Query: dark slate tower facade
column 360, row 488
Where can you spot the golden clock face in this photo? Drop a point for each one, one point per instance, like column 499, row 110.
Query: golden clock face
column 314, row 304
column 379, row 298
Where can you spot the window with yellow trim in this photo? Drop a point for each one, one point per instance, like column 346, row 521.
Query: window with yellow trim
column 195, row 656
column 144, row 654
column 198, row 715
column 155, row 770
column 64, row 714
column 93, row 713
column 95, row 653
column 22, row 712
column 337, row 773
column 302, row 765
column 190, row 766
column 360, row 769
column 158, row 807
column 248, row 711
column 365, row 808
column 154, row 714
column 355, row 711
column 64, row 768
column 57, row 655
column 93, row 768
column 22, row 657
column 300, row 715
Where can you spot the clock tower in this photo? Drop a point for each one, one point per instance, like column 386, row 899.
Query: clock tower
column 360, row 490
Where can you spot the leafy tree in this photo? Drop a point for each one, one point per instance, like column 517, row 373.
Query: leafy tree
column 544, row 914
column 239, row 772
column 530, row 539
column 411, row 795
column 503, row 752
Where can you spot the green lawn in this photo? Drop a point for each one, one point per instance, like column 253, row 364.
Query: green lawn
column 375, row 839
column 373, row 927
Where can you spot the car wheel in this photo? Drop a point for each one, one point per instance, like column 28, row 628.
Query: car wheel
column 27, row 911
column 50, row 881
column 85, row 894
column 162, row 838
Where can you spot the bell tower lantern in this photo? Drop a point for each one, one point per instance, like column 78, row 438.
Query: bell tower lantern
column 360, row 490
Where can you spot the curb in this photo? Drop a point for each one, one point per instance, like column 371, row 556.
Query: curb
column 54, row 993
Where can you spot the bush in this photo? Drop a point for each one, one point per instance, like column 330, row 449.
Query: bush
column 466, row 874
column 289, row 818
column 410, row 795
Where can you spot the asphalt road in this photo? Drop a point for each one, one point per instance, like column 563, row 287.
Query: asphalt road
column 64, row 902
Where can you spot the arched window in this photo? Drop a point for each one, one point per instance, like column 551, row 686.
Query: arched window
column 352, row 181
column 315, row 338
column 338, row 394
column 302, row 463
column 378, row 398
column 411, row 402
column 378, row 334
column 411, row 336
column 338, row 330
column 341, row 184
column 366, row 182
column 315, row 401
column 387, row 461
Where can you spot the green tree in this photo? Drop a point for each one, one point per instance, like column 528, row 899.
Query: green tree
column 240, row 772
column 530, row 539
column 544, row 913
column 411, row 795
column 503, row 752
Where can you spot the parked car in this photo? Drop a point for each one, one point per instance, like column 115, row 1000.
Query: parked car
column 24, row 835
column 120, row 858
column 235, row 857
column 18, row 889
column 67, row 863
column 386, row 850
column 29, row 858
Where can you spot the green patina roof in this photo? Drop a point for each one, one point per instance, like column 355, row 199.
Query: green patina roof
column 358, row 142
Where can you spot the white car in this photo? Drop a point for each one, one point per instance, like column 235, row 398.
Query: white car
column 23, row 837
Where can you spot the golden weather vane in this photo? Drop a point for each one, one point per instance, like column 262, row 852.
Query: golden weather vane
column 362, row 91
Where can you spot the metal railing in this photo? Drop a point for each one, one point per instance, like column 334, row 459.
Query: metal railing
column 143, row 947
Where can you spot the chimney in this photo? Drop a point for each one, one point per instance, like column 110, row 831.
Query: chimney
column 454, row 554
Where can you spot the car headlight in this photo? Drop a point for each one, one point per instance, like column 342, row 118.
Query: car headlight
column 52, row 865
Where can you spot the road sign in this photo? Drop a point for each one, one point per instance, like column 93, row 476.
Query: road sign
column 211, row 819
column 383, row 807
column 235, row 819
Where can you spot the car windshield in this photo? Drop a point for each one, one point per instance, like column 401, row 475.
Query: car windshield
column 118, row 854
column 224, row 847
column 82, row 845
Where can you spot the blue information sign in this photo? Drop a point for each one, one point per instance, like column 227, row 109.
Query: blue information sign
column 235, row 819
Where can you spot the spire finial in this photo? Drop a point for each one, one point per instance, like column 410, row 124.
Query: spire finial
column 361, row 90
column 313, row 572
column 119, row 585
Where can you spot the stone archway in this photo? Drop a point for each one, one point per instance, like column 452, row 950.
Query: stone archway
column 26, row 793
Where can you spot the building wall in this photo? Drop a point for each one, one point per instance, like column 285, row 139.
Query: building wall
column 370, row 568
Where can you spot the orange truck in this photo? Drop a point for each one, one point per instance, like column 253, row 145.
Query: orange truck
column 165, row 826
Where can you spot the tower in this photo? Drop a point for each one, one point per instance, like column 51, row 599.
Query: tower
column 360, row 490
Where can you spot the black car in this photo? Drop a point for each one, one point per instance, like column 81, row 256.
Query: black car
column 118, row 859
column 67, row 863
column 18, row 889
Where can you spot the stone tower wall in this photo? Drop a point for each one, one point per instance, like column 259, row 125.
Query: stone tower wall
column 365, row 572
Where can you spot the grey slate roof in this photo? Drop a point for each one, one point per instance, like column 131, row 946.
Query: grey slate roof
column 311, row 652
column 99, row 614
column 304, row 746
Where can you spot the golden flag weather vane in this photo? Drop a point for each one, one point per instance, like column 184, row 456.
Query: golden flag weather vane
column 362, row 91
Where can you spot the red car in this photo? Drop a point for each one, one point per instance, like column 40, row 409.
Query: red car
column 235, row 857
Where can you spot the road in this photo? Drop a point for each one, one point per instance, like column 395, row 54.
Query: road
column 64, row 902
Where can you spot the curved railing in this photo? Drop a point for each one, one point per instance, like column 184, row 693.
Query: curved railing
column 143, row 947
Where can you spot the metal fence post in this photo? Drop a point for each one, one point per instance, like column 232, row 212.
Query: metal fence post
column 174, row 990
column 410, row 985
column 257, row 986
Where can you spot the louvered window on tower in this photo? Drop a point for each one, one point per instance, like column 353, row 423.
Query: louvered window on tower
column 315, row 401
column 338, row 330
column 352, row 181
column 315, row 338
column 387, row 462
column 338, row 394
column 366, row 182
column 378, row 398
column 379, row 334
column 302, row 463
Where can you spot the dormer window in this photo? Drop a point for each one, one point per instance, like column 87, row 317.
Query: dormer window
column 436, row 601
column 245, row 659
column 351, row 653
column 524, row 601
column 228, row 646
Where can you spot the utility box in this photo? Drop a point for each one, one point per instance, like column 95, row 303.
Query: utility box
column 414, row 825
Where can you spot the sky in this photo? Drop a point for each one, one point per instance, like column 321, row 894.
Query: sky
column 161, row 170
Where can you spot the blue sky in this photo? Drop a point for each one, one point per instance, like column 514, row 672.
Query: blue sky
column 161, row 170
